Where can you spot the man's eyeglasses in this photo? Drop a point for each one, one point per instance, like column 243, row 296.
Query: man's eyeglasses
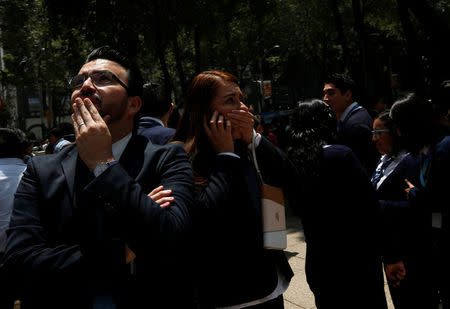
column 377, row 132
column 99, row 79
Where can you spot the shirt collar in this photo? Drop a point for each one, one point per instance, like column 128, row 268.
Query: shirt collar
column 397, row 158
column 157, row 120
column 347, row 110
column 392, row 165
column 119, row 146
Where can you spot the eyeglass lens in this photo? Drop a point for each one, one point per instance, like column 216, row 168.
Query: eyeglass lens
column 101, row 78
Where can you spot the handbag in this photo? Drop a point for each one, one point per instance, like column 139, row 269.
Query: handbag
column 273, row 211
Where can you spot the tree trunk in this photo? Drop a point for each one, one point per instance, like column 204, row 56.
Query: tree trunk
column 436, row 50
column 340, row 31
column 49, row 100
column 160, row 49
column 359, row 26
column 413, row 48
column 198, row 58
column 231, row 55
column 431, row 21
column 179, row 64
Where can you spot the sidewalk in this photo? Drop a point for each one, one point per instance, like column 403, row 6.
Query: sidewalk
column 298, row 295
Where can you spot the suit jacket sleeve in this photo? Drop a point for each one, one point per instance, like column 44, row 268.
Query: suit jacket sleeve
column 143, row 223
column 276, row 168
column 212, row 200
column 30, row 253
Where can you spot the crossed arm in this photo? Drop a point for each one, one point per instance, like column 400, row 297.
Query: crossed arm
column 35, row 247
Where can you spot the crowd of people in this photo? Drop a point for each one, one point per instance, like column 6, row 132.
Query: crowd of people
column 127, row 214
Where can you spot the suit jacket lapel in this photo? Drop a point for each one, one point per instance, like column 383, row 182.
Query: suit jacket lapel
column 69, row 164
column 133, row 156
column 132, row 161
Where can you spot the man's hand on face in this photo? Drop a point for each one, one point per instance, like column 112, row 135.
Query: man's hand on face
column 92, row 134
column 242, row 120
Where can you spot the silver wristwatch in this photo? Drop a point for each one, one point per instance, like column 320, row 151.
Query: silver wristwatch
column 102, row 166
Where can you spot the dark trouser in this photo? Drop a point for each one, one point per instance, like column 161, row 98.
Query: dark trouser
column 414, row 290
column 440, row 269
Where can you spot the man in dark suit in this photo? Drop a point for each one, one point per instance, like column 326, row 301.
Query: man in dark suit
column 155, row 115
column 84, row 233
column 354, row 121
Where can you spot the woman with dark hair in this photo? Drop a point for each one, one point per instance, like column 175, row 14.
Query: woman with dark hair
column 339, row 212
column 217, row 131
column 416, row 120
column 399, row 243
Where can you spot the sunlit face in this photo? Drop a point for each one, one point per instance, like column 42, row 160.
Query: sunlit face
column 109, row 100
column 383, row 140
column 228, row 97
column 336, row 99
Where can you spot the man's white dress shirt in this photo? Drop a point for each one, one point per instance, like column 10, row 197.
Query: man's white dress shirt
column 11, row 171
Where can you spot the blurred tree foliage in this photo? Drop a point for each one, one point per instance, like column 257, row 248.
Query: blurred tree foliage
column 46, row 41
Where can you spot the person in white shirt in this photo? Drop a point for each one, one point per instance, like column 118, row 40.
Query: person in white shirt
column 57, row 140
column 12, row 166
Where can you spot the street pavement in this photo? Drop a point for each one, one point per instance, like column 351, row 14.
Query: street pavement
column 298, row 295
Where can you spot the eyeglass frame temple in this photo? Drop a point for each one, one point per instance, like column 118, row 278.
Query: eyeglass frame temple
column 121, row 83
column 380, row 131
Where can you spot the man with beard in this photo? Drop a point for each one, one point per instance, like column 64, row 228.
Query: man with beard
column 84, row 232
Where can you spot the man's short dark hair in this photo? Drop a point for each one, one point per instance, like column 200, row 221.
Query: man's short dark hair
column 135, row 80
column 443, row 97
column 56, row 132
column 13, row 143
column 341, row 81
column 155, row 100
